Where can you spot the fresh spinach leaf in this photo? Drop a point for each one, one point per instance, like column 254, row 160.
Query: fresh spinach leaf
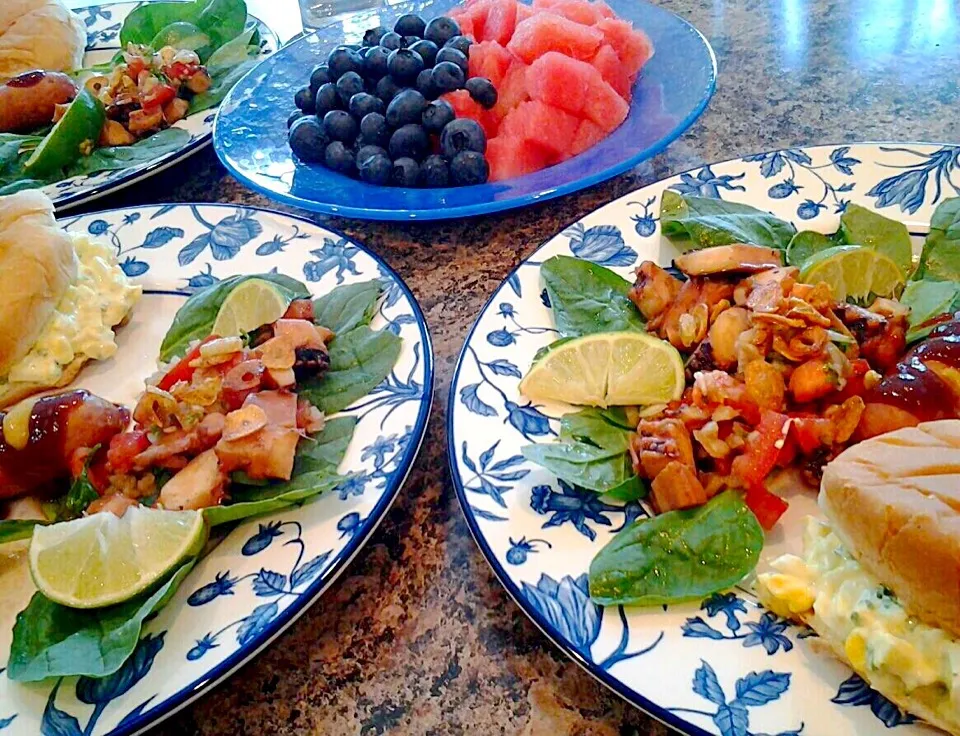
column 222, row 20
column 81, row 493
column 940, row 259
column 143, row 24
column 50, row 640
column 347, row 306
column 582, row 464
column 805, row 244
column 928, row 299
column 587, row 298
column 183, row 35
column 360, row 360
column 607, row 428
column 195, row 318
column 703, row 222
column 860, row 226
column 13, row 529
column 678, row 556
column 110, row 158
column 236, row 51
column 222, row 84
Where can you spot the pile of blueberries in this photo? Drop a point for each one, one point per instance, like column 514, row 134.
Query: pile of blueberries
column 373, row 111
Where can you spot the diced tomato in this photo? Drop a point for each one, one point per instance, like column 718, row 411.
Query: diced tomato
column 183, row 371
column 766, row 506
column 96, row 468
column 761, row 456
column 300, row 309
column 805, row 431
column 854, row 385
column 179, row 70
column 123, row 448
column 158, row 96
column 135, row 66
column 788, row 453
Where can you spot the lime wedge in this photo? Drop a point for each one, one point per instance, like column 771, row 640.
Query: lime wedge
column 251, row 305
column 853, row 272
column 74, row 135
column 102, row 559
column 607, row 369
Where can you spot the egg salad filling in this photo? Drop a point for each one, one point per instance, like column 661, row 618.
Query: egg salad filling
column 81, row 325
column 828, row 589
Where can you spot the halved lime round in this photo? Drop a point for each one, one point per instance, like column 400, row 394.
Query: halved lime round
column 607, row 369
column 102, row 559
column 74, row 135
column 252, row 304
column 853, row 272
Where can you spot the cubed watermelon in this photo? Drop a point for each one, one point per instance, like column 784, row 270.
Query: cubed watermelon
column 491, row 60
column 587, row 136
column 605, row 10
column 562, row 82
column 604, row 106
column 612, row 70
column 466, row 27
column 500, row 21
column 509, row 157
column 579, row 11
column 632, row 46
column 472, row 16
column 466, row 107
column 549, row 127
column 546, row 31
column 513, row 90
column 524, row 11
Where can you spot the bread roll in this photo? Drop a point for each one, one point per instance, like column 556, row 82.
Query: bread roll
column 894, row 502
column 37, row 264
column 39, row 34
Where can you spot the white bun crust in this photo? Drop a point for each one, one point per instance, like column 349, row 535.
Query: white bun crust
column 37, row 264
column 894, row 502
column 39, row 34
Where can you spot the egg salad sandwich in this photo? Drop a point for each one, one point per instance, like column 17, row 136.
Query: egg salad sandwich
column 879, row 580
column 62, row 296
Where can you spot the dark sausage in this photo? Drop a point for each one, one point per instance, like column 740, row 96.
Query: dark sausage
column 28, row 101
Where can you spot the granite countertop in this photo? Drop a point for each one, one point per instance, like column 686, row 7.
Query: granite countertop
column 418, row 636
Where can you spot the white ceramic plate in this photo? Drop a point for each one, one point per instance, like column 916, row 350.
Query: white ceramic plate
column 269, row 569
column 724, row 666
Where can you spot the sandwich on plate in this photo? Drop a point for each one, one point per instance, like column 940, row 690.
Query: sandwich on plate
column 879, row 580
column 63, row 296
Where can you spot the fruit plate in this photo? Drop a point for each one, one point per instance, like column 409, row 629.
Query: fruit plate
column 270, row 569
column 724, row 665
column 103, row 24
column 250, row 134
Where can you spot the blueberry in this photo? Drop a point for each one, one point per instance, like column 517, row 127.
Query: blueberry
column 348, row 85
column 405, row 172
column 427, row 50
column 318, row 77
column 468, row 167
column 447, row 77
column 483, row 91
column 304, row 99
column 440, row 30
column 406, row 107
column 307, row 139
column 391, row 41
column 460, row 43
column 450, row 54
column 410, row 24
column 374, row 130
column 339, row 158
column 339, row 126
column 367, row 150
column 408, row 41
column 425, row 86
column 386, row 89
column 342, row 60
column 327, row 99
column 434, row 172
column 409, row 141
column 372, row 36
column 362, row 104
column 294, row 117
column 463, row 134
column 375, row 169
column 436, row 115
column 404, row 65
column 375, row 62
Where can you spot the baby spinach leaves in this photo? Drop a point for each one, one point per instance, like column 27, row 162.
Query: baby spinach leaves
column 860, row 226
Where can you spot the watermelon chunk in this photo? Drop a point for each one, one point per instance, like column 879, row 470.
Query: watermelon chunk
column 500, row 21
column 472, row 16
column 587, row 136
column 466, row 27
column 489, row 59
column 524, row 11
column 552, row 129
column 604, row 106
column 632, row 46
column 562, row 82
column 513, row 90
column 612, row 70
column 546, row 31
column 509, row 157
column 466, row 107
column 605, row 10
column 579, row 11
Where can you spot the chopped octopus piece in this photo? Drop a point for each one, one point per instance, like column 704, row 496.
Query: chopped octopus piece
column 171, row 449
column 659, row 442
column 268, row 453
column 198, row 485
column 280, row 407
column 654, row 290
column 677, row 487
column 301, row 333
column 737, row 258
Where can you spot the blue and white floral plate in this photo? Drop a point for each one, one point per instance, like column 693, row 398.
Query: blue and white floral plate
column 269, row 569
column 103, row 29
column 723, row 666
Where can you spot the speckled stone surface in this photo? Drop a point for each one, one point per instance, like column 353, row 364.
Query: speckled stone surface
column 417, row 636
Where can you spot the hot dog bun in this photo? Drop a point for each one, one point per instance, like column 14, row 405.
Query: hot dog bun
column 39, row 34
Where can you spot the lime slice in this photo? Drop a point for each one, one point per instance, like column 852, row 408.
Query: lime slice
column 251, row 305
column 607, row 369
column 853, row 272
column 74, row 135
column 102, row 559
